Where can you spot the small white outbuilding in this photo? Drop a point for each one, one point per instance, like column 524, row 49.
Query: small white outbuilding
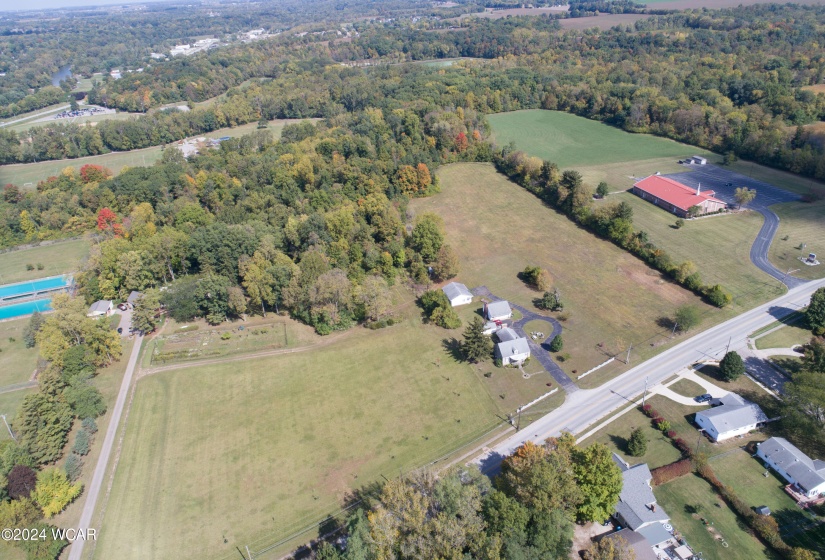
column 457, row 293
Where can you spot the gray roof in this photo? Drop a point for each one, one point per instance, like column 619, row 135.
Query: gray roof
column 807, row 473
column 636, row 502
column 730, row 399
column 506, row 334
column 655, row 533
column 735, row 414
column 637, row 542
column 455, row 289
column 498, row 309
column 512, row 347
column 133, row 297
column 101, row 306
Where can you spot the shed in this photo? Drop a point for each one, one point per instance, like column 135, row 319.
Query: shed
column 457, row 293
column 763, row 510
column 497, row 311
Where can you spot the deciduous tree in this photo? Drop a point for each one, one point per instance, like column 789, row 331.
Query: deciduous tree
column 815, row 314
column 446, row 264
column 600, row 481
column 54, row 491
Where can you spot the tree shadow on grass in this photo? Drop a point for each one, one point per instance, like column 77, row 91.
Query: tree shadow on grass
column 453, row 347
column 666, row 323
column 620, row 443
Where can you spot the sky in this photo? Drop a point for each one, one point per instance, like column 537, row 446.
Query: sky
column 41, row 4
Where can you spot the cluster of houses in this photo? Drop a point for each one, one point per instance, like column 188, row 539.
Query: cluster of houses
column 511, row 348
column 105, row 307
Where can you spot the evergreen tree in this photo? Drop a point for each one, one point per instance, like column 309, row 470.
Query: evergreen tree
column 731, row 366
column 43, row 424
column 637, row 444
column 143, row 316
column 556, row 344
column 73, row 467
column 476, row 346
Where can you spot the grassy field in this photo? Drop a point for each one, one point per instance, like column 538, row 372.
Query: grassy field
column 719, row 246
column 786, row 337
column 801, row 224
column 572, row 141
column 602, row 21
column 687, row 388
column 57, row 258
column 10, row 405
column 23, row 174
column 17, row 362
column 616, row 435
column 681, row 497
column 304, row 429
column 611, row 297
column 24, row 126
column 781, row 179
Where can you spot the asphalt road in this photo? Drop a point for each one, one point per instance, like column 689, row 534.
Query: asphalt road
column 584, row 407
column 93, row 491
column 724, row 183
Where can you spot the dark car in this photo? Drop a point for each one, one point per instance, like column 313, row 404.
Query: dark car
column 120, row 330
column 703, row 398
column 728, row 184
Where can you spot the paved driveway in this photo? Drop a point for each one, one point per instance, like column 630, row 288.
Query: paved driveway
column 711, row 177
column 538, row 351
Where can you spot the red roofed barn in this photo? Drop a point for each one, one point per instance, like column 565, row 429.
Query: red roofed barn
column 675, row 197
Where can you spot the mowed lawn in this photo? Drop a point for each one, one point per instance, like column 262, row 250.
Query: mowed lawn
column 57, row 258
column 719, row 246
column 217, row 457
column 612, row 298
column 680, row 497
column 572, row 141
column 802, row 224
column 786, row 337
column 17, row 363
column 29, row 174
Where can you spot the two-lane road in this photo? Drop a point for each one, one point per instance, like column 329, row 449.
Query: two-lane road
column 582, row 408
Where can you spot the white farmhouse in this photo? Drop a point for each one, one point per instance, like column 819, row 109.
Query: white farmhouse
column 734, row 416
column 457, row 293
column 806, row 475
column 511, row 348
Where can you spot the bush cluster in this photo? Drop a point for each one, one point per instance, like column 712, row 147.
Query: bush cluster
column 381, row 323
column 672, row 471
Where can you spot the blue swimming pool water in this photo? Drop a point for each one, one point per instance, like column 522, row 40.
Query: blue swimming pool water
column 25, row 308
column 32, row 286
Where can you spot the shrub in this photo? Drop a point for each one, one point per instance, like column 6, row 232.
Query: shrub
column 73, row 467
column 679, row 223
column 637, row 444
column 664, row 426
column 40, row 266
column 556, row 344
column 537, row 277
column 226, row 336
column 672, row 471
column 563, row 357
column 89, row 425
column 21, row 482
column 29, row 267
column 82, row 443
column 718, row 296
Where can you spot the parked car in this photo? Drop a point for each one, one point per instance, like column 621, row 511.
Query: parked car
column 703, row 398
column 121, row 306
column 120, row 330
column 728, row 184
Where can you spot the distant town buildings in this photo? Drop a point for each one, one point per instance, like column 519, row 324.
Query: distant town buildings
column 190, row 49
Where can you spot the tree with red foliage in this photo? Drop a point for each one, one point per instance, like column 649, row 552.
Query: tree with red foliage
column 108, row 221
column 461, row 142
column 22, row 480
column 11, row 194
column 91, row 173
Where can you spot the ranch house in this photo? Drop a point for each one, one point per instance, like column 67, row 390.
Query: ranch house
column 457, row 293
column 675, row 197
column 512, row 348
column 730, row 416
column 806, row 476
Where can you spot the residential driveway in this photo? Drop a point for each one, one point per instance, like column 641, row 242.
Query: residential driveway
column 714, row 178
column 713, row 390
column 538, row 351
column 125, row 321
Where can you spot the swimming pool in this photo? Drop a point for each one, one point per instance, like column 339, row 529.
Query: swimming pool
column 33, row 286
column 25, row 308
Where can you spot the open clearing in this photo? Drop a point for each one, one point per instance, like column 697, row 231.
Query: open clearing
column 818, row 88
column 572, row 141
column 17, row 363
column 612, row 298
column 680, row 497
column 302, row 428
column 786, row 337
column 57, row 258
column 602, row 21
column 802, row 224
column 30, row 174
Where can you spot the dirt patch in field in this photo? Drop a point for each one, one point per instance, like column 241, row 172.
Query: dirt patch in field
column 340, row 480
column 652, row 280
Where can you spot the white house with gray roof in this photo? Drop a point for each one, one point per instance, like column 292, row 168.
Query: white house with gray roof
column 511, row 348
column 457, row 293
column 100, row 308
column 637, row 507
column 497, row 311
column 806, row 474
column 734, row 416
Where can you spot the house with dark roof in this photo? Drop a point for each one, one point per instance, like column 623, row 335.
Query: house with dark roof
column 511, row 348
column 497, row 311
column 133, row 297
column 637, row 507
column 805, row 474
column 457, row 293
column 675, row 197
column 100, row 308
column 636, row 541
column 730, row 417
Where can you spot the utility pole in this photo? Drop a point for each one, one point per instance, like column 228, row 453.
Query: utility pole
column 644, row 395
column 8, row 428
column 675, row 324
column 518, row 420
column 728, row 347
column 247, row 552
column 627, row 360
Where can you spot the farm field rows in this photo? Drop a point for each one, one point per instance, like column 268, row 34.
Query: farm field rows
column 57, row 258
column 305, row 429
column 611, row 298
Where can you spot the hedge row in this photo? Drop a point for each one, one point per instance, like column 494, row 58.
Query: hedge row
column 672, row 471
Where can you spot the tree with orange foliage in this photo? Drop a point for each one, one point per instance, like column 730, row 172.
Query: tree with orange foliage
column 91, row 173
column 461, row 142
column 108, row 221
column 424, row 177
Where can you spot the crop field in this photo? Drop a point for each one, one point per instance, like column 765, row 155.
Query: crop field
column 611, row 298
column 719, row 246
column 303, row 428
column 573, row 141
column 17, row 363
column 799, row 224
column 29, row 174
column 57, row 258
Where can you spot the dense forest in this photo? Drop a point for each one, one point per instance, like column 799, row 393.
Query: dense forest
column 655, row 77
